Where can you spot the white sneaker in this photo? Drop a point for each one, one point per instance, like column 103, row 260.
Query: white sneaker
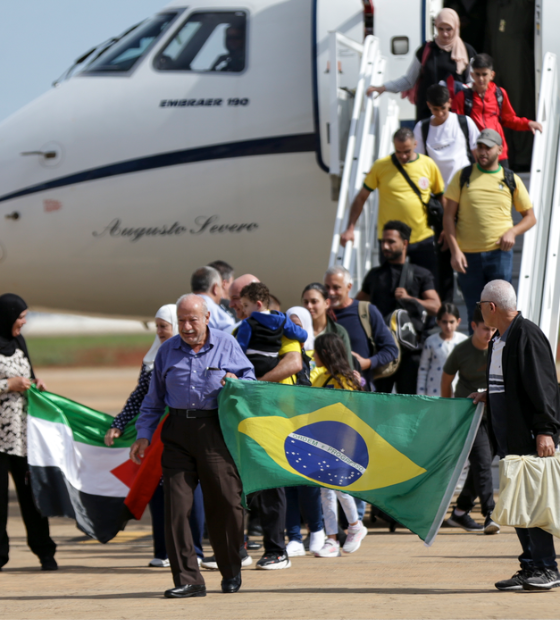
column 158, row 563
column 209, row 563
column 355, row 536
column 246, row 561
column 316, row 541
column 331, row 549
column 199, row 560
column 295, row 548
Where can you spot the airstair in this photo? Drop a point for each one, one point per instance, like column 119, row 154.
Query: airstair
column 370, row 128
column 372, row 125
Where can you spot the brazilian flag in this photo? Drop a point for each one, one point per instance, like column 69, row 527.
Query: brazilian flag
column 403, row 454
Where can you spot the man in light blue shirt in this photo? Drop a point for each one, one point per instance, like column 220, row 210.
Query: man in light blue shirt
column 207, row 282
column 189, row 372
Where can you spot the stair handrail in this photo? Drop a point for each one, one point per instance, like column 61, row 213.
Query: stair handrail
column 543, row 176
column 368, row 139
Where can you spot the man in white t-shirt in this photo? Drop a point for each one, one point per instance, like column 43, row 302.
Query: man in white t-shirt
column 446, row 137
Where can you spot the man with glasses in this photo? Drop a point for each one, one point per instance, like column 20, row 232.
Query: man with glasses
column 523, row 415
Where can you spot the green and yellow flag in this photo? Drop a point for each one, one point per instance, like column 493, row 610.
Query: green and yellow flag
column 403, row 454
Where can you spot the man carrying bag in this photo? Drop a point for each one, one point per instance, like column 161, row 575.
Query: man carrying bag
column 399, row 201
column 523, row 419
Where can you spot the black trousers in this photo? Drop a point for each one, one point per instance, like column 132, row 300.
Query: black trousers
column 405, row 378
column 37, row 526
column 272, row 507
column 538, row 548
column 423, row 254
column 194, row 450
column 479, row 479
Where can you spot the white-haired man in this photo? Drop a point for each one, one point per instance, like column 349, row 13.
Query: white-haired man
column 523, row 414
column 189, row 372
column 338, row 283
column 207, row 282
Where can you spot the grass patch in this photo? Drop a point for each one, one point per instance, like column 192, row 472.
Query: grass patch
column 94, row 350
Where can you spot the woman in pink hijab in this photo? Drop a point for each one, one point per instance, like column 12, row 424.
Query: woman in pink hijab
column 434, row 61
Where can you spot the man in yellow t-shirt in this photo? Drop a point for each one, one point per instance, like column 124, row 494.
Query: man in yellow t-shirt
column 478, row 223
column 398, row 201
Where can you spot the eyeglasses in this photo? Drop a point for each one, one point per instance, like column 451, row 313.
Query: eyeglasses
column 479, row 303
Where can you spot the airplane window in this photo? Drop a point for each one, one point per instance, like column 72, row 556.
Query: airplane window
column 124, row 54
column 212, row 41
column 399, row 45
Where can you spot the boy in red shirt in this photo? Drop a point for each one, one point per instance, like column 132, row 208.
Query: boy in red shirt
column 488, row 105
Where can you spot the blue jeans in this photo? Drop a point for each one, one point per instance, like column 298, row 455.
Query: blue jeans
column 306, row 500
column 361, row 506
column 538, row 548
column 483, row 267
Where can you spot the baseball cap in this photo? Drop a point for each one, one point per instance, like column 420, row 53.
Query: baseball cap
column 490, row 138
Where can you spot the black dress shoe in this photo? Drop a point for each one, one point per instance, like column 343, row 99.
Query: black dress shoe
column 48, row 563
column 232, row 585
column 185, row 591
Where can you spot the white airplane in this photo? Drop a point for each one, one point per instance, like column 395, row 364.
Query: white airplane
column 201, row 134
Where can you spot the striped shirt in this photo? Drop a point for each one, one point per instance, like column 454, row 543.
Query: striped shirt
column 496, row 373
column 497, row 394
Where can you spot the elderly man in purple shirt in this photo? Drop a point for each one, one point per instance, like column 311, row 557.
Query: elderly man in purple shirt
column 189, row 372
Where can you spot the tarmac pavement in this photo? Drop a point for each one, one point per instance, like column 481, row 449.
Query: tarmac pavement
column 392, row 576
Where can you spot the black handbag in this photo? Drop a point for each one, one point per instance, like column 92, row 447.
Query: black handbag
column 434, row 208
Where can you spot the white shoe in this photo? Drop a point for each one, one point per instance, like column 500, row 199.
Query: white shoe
column 331, row 549
column 355, row 536
column 199, row 560
column 295, row 548
column 316, row 541
column 246, row 561
column 209, row 563
column 158, row 563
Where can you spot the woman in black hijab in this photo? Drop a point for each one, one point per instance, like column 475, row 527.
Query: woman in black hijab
column 16, row 376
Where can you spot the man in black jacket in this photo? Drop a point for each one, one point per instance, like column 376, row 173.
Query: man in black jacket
column 523, row 414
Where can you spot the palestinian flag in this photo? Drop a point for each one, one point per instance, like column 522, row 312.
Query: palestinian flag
column 403, row 454
column 74, row 474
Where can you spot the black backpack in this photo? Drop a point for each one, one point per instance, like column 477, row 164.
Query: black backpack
column 463, row 124
column 469, row 94
column 303, row 377
column 509, row 179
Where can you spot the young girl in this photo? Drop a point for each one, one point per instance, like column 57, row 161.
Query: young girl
column 437, row 349
column 335, row 373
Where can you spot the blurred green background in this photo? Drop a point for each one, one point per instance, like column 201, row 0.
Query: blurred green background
column 91, row 350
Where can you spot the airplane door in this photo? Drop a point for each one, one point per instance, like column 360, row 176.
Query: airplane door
column 401, row 28
column 346, row 17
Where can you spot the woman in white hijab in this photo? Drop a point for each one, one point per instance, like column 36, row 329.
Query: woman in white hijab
column 166, row 328
column 445, row 59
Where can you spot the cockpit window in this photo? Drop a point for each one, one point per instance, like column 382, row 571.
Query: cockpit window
column 123, row 55
column 209, row 41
